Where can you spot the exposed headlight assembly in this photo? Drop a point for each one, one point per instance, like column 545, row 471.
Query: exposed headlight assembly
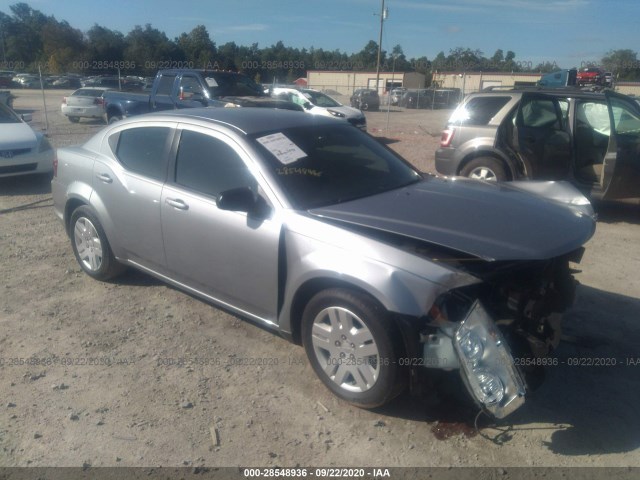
column 487, row 365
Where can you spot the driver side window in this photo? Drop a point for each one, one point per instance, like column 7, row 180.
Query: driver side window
column 210, row 166
column 189, row 86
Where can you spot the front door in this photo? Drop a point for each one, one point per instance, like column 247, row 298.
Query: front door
column 230, row 256
column 621, row 172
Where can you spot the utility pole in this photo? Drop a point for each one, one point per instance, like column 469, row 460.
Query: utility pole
column 383, row 16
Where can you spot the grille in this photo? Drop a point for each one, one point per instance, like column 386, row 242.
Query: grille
column 13, row 153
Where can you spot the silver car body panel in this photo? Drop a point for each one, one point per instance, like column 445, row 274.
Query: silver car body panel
column 402, row 282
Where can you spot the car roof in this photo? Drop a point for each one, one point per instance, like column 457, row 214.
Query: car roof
column 247, row 120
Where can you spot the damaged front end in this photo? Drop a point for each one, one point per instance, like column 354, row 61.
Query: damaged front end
column 499, row 333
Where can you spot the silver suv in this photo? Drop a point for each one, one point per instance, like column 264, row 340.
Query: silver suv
column 589, row 139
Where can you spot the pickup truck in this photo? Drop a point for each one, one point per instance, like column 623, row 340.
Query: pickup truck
column 173, row 89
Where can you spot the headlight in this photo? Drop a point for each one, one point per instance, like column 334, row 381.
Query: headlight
column 471, row 345
column 487, row 365
column 336, row 114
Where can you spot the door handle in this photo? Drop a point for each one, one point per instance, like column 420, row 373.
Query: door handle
column 176, row 203
column 103, row 177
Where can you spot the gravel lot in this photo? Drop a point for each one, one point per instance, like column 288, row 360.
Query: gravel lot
column 108, row 395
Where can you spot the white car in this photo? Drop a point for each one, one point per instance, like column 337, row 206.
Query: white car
column 22, row 150
column 318, row 103
column 87, row 102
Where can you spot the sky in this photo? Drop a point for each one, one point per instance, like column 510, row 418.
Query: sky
column 571, row 33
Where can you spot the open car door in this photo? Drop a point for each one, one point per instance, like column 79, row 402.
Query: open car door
column 541, row 139
column 621, row 170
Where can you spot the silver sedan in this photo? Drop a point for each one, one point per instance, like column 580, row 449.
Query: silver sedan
column 317, row 231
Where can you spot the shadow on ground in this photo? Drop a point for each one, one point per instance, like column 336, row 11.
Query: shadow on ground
column 616, row 212
column 25, row 185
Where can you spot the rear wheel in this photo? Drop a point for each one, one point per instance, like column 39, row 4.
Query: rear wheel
column 114, row 119
column 74, row 119
column 353, row 347
column 91, row 247
column 485, row 168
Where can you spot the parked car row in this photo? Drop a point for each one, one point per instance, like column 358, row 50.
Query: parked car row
column 430, row 98
column 71, row 81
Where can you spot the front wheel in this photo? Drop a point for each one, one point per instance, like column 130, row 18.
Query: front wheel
column 91, row 247
column 114, row 119
column 353, row 347
column 485, row 168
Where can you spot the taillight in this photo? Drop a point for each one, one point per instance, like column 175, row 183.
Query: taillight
column 98, row 101
column 64, row 100
column 447, row 136
column 55, row 164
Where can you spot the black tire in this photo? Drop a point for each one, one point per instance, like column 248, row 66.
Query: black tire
column 485, row 168
column 364, row 106
column 91, row 247
column 361, row 378
column 114, row 119
column 74, row 119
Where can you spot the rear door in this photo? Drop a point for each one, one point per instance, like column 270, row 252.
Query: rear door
column 540, row 136
column 621, row 171
column 128, row 186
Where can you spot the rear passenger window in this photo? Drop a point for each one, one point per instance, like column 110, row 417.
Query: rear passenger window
column 540, row 113
column 478, row 110
column 209, row 166
column 142, row 150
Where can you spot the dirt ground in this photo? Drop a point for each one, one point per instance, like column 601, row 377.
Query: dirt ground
column 136, row 373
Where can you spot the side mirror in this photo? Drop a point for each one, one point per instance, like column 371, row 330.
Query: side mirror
column 26, row 117
column 308, row 105
column 243, row 200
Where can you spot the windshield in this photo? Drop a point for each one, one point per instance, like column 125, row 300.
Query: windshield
column 320, row 166
column 320, row 99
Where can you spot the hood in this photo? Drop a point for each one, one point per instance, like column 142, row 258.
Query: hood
column 14, row 136
column 492, row 221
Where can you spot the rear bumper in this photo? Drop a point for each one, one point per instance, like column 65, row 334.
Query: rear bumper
column 446, row 164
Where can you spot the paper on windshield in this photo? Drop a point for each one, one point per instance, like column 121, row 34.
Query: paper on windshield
column 211, row 81
column 282, row 148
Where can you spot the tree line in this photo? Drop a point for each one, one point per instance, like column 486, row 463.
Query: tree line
column 31, row 40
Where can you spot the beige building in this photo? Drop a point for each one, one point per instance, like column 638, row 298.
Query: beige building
column 345, row 82
column 469, row 82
